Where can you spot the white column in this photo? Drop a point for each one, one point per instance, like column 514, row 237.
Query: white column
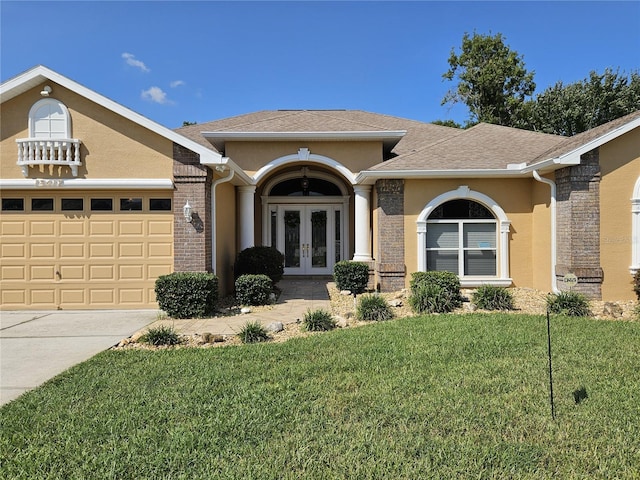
column 362, row 223
column 247, row 216
column 504, row 248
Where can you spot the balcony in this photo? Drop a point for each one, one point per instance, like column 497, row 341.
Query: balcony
column 59, row 151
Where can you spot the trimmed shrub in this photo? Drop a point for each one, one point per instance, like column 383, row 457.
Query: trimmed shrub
column 187, row 294
column 318, row 321
column 260, row 260
column 434, row 292
column 352, row 276
column 489, row 297
column 372, row 307
column 162, row 335
column 253, row 332
column 573, row 304
column 253, row 289
column 636, row 284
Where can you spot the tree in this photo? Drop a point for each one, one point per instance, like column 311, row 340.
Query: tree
column 447, row 123
column 187, row 123
column 492, row 80
column 580, row 106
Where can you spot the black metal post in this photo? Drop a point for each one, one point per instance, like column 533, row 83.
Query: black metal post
column 553, row 412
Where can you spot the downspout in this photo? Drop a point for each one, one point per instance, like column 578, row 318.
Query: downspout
column 552, row 206
column 214, row 237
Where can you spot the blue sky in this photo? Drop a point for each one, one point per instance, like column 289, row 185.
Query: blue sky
column 205, row 60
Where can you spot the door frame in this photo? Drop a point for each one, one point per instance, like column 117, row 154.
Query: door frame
column 333, row 204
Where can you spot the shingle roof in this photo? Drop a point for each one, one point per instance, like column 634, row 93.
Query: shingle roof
column 425, row 146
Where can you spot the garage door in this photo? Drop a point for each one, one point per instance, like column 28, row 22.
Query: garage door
column 78, row 251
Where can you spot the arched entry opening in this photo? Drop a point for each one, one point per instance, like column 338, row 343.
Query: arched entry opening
column 305, row 216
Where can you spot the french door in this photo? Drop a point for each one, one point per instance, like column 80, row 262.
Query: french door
column 309, row 236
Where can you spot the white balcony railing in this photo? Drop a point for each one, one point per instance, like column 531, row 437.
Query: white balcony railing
column 59, row 151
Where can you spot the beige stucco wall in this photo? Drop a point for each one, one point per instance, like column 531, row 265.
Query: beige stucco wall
column 225, row 235
column 112, row 146
column 528, row 249
column 620, row 169
column 356, row 156
column 541, row 278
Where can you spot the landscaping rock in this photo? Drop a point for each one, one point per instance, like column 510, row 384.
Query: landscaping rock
column 345, row 292
column 612, row 309
column 341, row 322
column 245, row 310
column 396, row 302
column 275, row 327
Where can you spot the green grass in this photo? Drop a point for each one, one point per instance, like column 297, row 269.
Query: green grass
column 431, row 397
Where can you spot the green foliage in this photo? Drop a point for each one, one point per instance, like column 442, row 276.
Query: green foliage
column 492, row 80
column 318, row 321
column 352, row 276
column 372, row 307
column 573, row 304
column 253, row 289
column 576, row 107
column 434, row 292
column 260, row 260
column 162, row 335
column 636, row 284
column 489, row 297
column 187, row 294
column 253, row 332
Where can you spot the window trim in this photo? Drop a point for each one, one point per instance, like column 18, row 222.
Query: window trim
column 635, row 229
column 51, row 101
column 503, row 227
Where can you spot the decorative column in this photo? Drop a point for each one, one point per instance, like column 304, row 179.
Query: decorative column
column 247, row 215
column 362, row 223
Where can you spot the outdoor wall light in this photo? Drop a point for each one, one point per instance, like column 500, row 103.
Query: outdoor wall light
column 46, row 91
column 188, row 212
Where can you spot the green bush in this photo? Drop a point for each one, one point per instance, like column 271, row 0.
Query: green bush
column 489, row 297
column 253, row 332
column 253, row 289
column 372, row 307
column 162, row 335
column 352, row 276
column 434, row 292
column 187, row 294
column 260, row 260
column 636, row 284
column 318, row 321
column 573, row 304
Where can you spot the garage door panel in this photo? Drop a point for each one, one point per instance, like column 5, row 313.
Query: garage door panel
column 101, row 272
column 42, row 228
column 13, row 251
column 43, row 250
column 159, row 250
column 72, row 272
column 161, row 228
column 43, row 296
column 102, row 227
column 42, row 272
column 72, row 228
column 13, row 297
column 72, row 297
column 131, row 250
column 131, row 272
column 154, row 271
column 13, row 272
column 130, row 296
column 101, row 296
column 102, row 250
column 16, row 227
column 130, row 227
column 72, row 250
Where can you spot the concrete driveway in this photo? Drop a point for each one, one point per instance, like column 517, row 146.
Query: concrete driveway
column 38, row 345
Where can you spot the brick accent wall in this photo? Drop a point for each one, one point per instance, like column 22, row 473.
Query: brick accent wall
column 578, row 227
column 191, row 241
column 390, row 268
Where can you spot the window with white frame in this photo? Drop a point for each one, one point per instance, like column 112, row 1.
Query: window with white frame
column 461, row 238
column 49, row 118
column 467, row 233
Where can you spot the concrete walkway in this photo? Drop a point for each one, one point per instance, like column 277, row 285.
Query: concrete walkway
column 38, row 345
column 298, row 296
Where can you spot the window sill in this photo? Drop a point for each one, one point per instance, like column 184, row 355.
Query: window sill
column 470, row 282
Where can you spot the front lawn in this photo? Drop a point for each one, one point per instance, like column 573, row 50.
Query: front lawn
column 449, row 396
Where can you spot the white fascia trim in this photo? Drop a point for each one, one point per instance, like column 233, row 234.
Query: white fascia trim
column 367, row 177
column 225, row 163
column 39, row 74
column 323, row 135
column 84, row 184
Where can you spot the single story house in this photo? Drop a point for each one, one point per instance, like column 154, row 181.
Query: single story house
column 98, row 201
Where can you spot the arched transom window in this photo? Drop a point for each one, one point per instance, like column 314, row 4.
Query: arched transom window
column 49, row 118
column 467, row 233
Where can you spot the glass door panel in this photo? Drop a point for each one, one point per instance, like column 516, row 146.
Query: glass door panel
column 318, row 238
column 292, row 243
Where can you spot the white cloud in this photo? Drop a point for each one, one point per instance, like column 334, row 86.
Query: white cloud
column 156, row 95
column 176, row 83
column 131, row 60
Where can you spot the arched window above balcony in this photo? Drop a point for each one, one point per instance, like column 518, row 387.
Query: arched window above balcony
column 49, row 118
